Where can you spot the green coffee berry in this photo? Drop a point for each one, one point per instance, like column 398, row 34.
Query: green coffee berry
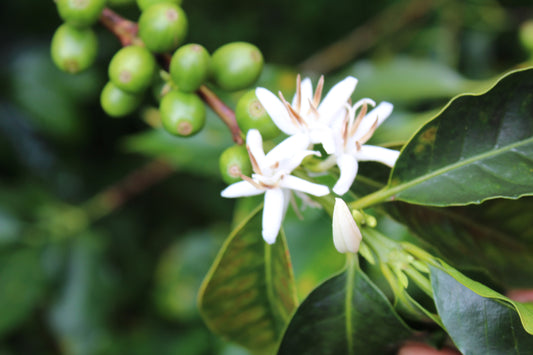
column 182, row 114
column 117, row 102
column 251, row 114
column 162, row 27
column 72, row 49
column 236, row 65
column 80, row 13
column 144, row 4
column 132, row 68
column 189, row 67
column 234, row 162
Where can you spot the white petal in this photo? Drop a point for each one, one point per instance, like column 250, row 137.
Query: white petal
column 273, row 214
column 379, row 154
column 287, row 149
column 380, row 113
column 324, row 136
column 298, row 184
column 346, row 235
column 348, row 167
column 307, row 95
column 241, row 189
column 289, row 165
column 254, row 142
column 336, row 98
column 276, row 110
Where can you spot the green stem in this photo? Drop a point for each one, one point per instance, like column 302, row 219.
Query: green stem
column 352, row 264
column 383, row 195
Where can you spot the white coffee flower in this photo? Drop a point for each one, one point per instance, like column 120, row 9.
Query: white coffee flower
column 306, row 115
column 272, row 177
column 351, row 133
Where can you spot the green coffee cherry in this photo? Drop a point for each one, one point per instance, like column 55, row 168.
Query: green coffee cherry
column 162, row 27
column 251, row 114
column 234, row 162
column 117, row 102
column 189, row 67
column 80, row 13
column 119, row 2
column 132, row 69
column 72, row 49
column 144, row 4
column 236, row 65
column 182, row 114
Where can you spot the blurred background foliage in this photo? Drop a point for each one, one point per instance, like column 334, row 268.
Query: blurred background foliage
column 108, row 226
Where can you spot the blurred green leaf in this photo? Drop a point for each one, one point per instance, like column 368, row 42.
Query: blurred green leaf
column 78, row 317
column 198, row 154
column 478, row 319
column 179, row 273
column 248, row 295
column 22, row 284
column 478, row 148
column 347, row 314
column 408, row 79
column 495, row 236
column 52, row 97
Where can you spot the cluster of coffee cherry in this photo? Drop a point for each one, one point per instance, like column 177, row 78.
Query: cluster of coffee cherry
column 186, row 70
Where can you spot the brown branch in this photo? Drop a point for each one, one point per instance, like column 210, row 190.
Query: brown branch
column 126, row 32
column 130, row 186
column 362, row 38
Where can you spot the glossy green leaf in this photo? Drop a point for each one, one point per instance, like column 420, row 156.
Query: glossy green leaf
column 478, row 319
column 478, row 148
column 22, row 283
column 248, row 295
column 495, row 236
column 347, row 314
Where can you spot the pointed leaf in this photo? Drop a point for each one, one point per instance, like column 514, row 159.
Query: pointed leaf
column 478, row 319
column 347, row 314
column 478, row 148
column 495, row 236
column 249, row 292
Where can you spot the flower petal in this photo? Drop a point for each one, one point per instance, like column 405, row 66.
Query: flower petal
column 254, row 143
column 346, row 235
column 241, row 189
column 298, row 184
column 336, row 98
column 348, row 167
column 380, row 113
column 287, row 149
column 276, row 110
column 379, row 154
column 323, row 135
column 273, row 214
column 306, row 92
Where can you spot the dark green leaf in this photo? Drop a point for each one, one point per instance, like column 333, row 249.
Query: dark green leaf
column 479, row 320
column 248, row 295
column 22, row 283
column 478, row 148
column 347, row 314
column 496, row 236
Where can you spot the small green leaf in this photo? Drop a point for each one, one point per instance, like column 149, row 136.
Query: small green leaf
column 347, row 314
column 248, row 295
column 478, row 148
column 478, row 319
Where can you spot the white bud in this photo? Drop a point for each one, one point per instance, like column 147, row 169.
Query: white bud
column 346, row 234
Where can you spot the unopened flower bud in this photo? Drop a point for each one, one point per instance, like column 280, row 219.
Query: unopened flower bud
column 346, row 234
